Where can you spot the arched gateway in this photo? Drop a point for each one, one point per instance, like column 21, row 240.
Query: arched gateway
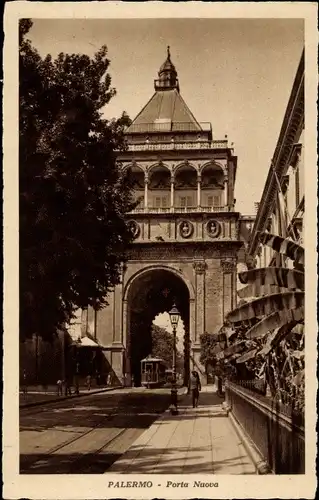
column 148, row 293
column 186, row 230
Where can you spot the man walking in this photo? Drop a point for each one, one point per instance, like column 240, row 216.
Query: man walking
column 195, row 387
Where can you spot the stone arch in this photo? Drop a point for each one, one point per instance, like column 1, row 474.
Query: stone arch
column 159, row 176
column 214, row 165
column 159, row 267
column 148, row 292
column 185, row 164
column 212, row 176
column 138, row 179
column 158, row 165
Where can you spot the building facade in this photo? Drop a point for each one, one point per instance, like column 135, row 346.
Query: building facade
column 282, row 204
column 186, row 229
column 189, row 241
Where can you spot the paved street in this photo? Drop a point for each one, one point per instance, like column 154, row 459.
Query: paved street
column 197, row 441
column 86, row 434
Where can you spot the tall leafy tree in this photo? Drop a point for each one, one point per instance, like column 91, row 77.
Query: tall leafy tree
column 208, row 343
column 73, row 193
column 162, row 346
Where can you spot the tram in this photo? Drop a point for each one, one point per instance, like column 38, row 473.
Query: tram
column 153, row 372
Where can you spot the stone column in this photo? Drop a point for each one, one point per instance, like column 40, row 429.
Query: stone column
column 226, row 200
column 229, row 289
column 172, row 190
column 199, row 180
column 199, row 266
column 117, row 318
column 146, row 190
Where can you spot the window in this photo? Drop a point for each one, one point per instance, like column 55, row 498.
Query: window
column 160, row 201
column 213, row 201
column 185, row 201
column 182, row 201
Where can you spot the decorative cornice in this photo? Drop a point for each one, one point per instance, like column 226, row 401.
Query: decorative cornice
column 177, row 250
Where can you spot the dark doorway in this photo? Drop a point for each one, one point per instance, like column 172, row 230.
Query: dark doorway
column 151, row 293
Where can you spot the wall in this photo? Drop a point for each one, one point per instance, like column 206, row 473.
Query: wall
column 277, row 432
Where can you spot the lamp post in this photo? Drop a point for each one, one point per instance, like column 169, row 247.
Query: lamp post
column 174, row 316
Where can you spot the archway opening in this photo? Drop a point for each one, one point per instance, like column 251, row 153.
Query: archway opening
column 152, row 293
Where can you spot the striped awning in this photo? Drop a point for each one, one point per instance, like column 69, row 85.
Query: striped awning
column 284, row 246
column 266, row 305
column 255, row 290
column 278, row 276
column 275, row 320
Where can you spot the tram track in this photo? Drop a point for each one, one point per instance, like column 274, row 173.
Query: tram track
column 26, row 464
column 90, row 450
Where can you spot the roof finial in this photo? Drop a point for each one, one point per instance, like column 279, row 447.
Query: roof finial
column 168, row 52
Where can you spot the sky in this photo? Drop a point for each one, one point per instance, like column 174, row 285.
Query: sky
column 235, row 73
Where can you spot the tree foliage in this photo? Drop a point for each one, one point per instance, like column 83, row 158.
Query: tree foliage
column 271, row 325
column 162, row 346
column 73, row 194
column 208, row 342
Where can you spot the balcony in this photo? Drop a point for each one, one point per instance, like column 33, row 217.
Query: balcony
column 179, row 210
column 174, row 146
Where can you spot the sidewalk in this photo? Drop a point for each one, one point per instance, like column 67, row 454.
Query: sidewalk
column 197, row 441
column 36, row 395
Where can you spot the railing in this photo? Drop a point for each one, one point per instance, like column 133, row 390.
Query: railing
column 151, row 146
column 178, row 210
column 168, row 126
column 276, row 429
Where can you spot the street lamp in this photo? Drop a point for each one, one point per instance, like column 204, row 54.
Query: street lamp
column 174, row 316
column 222, row 340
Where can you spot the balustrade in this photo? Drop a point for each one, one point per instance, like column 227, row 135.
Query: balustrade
column 152, row 146
column 177, row 210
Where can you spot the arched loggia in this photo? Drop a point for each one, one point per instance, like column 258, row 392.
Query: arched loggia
column 148, row 294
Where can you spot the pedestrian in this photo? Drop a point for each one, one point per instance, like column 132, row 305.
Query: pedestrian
column 88, row 382
column 195, row 387
column 24, row 383
column 59, row 386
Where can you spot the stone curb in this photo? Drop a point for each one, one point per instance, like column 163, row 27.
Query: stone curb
column 258, row 460
column 64, row 398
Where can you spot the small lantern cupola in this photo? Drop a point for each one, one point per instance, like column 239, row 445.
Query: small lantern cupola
column 167, row 75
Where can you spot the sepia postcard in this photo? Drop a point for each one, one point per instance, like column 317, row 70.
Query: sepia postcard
column 160, row 263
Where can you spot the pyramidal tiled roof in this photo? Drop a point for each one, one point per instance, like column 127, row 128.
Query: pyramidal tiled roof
column 166, row 106
column 166, row 110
